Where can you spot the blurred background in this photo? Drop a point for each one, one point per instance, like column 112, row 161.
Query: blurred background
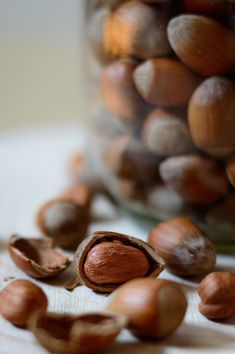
column 41, row 62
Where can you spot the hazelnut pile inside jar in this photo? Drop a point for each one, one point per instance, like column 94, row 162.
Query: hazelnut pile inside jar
column 163, row 83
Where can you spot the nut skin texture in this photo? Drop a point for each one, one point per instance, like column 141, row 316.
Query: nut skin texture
column 119, row 92
column 166, row 82
column 68, row 334
column 155, row 307
column 186, row 250
column 107, row 268
column 202, row 53
column 21, row 299
column 101, row 263
column 136, row 30
column 198, row 180
column 212, row 116
column 217, row 293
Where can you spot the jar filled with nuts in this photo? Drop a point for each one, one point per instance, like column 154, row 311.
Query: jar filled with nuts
column 162, row 95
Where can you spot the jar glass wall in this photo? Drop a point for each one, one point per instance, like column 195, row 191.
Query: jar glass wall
column 162, row 99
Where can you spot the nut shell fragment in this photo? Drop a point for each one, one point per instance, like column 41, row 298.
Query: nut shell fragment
column 82, row 334
column 156, row 264
column 39, row 258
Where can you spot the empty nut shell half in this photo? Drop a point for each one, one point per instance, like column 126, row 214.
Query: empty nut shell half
column 106, row 260
column 39, row 258
column 82, row 334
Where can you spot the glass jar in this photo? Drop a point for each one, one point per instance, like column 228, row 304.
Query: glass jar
column 162, row 98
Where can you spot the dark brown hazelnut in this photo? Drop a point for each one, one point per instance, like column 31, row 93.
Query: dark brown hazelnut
column 165, row 134
column 137, row 30
column 119, row 92
column 199, row 180
column 165, row 82
column 185, row 248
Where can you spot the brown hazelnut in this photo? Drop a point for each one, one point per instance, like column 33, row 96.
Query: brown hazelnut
column 119, row 92
column 217, row 293
column 185, row 248
column 155, row 307
column 165, row 82
column 64, row 220
column 164, row 134
column 197, row 41
column 212, row 116
column 221, row 221
column 81, row 194
column 137, row 30
column 106, row 260
column 39, row 258
column 21, row 299
column 67, row 334
column 128, row 158
column 199, row 180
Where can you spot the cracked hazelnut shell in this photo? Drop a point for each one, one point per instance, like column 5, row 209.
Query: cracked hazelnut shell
column 39, row 258
column 119, row 258
column 82, row 334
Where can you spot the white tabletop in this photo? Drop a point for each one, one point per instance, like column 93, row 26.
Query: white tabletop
column 33, row 169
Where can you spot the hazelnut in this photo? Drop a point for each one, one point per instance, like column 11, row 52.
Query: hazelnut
column 155, row 307
column 199, row 180
column 119, row 91
column 66, row 219
column 136, row 30
column 197, row 41
column 67, row 334
column 165, row 82
column 127, row 190
column 39, row 258
column 230, row 169
column 186, row 249
column 217, row 293
column 21, row 299
column 212, row 116
column 165, row 134
column 221, row 221
column 106, row 260
column 128, row 158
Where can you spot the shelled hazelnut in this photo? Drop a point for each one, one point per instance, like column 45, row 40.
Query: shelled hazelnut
column 21, row 299
column 212, row 116
column 197, row 41
column 165, row 134
column 106, row 260
column 155, row 307
column 185, row 248
column 137, row 30
column 199, row 180
column 165, row 82
column 66, row 218
column 119, row 91
column 128, row 158
column 217, row 293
